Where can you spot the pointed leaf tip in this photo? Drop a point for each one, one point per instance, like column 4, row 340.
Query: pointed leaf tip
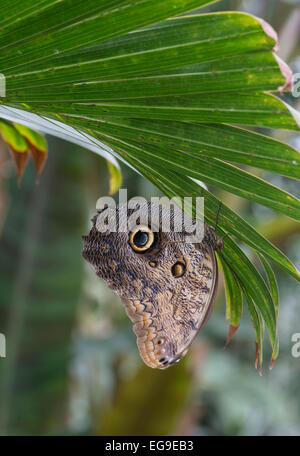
column 284, row 68
column 256, row 355
column 268, row 29
column 17, row 146
column 286, row 73
column 37, row 145
column 272, row 363
column 231, row 332
column 258, row 360
column 39, row 158
column 20, row 159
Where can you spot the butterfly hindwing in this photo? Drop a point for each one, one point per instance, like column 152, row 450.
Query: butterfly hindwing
column 166, row 283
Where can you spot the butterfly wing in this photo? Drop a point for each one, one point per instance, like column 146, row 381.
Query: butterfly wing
column 168, row 290
column 168, row 319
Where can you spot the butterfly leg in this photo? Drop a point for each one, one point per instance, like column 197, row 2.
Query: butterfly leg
column 211, row 235
column 221, row 243
column 217, row 215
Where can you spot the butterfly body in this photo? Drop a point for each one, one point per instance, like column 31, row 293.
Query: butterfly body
column 168, row 290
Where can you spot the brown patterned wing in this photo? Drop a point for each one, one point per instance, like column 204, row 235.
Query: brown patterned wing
column 167, row 320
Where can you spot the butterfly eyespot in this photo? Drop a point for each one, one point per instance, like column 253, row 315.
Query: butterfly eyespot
column 153, row 264
column 141, row 239
column 178, row 269
column 160, row 341
column 164, row 361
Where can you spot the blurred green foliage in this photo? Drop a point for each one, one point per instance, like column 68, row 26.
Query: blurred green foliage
column 40, row 280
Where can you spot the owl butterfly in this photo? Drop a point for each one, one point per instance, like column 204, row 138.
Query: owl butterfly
column 166, row 283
